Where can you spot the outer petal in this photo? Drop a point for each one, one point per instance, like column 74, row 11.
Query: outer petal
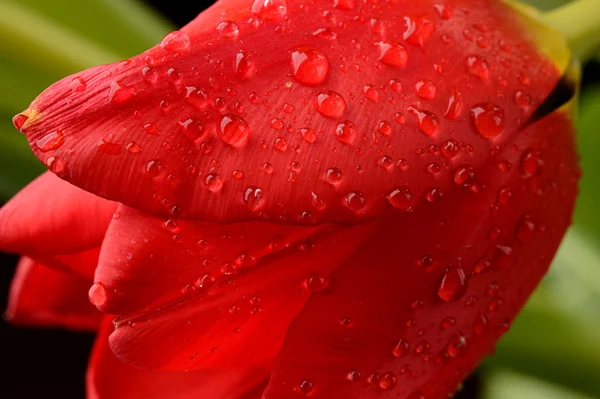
column 109, row 378
column 298, row 112
column 214, row 314
column 50, row 217
column 41, row 296
column 420, row 310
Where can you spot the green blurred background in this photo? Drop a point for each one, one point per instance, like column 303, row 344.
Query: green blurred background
column 552, row 350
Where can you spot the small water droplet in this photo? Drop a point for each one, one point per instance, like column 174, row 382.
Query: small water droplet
column 51, row 141
column 426, row 89
column 344, row 4
column 228, row 29
column 401, row 198
column 97, row 294
column 455, row 106
column 387, row 381
column 401, row 348
column 109, row 148
column 309, row 66
column 281, row 144
column 526, row 229
column 478, row 66
column 176, row 41
column 120, row 93
column 308, row 135
column 316, row 282
column 270, row 10
column 213, row 182
column 253, row 198
column 355, row 200
column 330, row 104
column 243, row 66
column 153, row 168
column 503, row 256
column 418, row 32
column 531, row 163
column 456, row 346
column 427, row 122
column 371, row 93
column 78, row 85
column 453, row 285
column 234, row 130
column 488, row 119
column 393, row 54
column 346, row 132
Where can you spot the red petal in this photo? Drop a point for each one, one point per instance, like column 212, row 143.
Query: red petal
column 109, row 378
column 399, row 319
column 258, row 277
column 50, row 217
column 222, row 121
column 40, row 296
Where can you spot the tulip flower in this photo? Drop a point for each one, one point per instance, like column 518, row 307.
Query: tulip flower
column 325, row 199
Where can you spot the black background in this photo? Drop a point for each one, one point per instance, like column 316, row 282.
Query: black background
column 52, row 363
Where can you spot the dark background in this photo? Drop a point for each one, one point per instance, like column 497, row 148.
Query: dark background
column 52, row 363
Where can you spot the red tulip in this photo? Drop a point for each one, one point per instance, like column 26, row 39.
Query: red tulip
column 326, row 200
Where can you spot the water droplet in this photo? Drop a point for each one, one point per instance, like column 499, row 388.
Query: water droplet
column 243, row 65
column 426, row 89
column 387, row 381
column 330, row 104
column 353, row 375
column 401, row 198
column 176, row 41
column 228, row 29
column 449, row 149
column 281, row 144
column 456, row 346
column 316, row 283
column 488, row 119
column 133, row 148
column 455, row 106
column 526, row 230
column 78, row 85
column 191, row 128
column 333, row 175
column 401, row 348
column 308, row 135
column 482, row 266
column 434, row 195
column 504, row 195
column 325, row 33
column 213, row 182
column 253, row 198
column 346, row 132
column 109, row 148
column 427, row 121
column 153, row 168
column 463, row 175
column 371, row 93
column 385, row 128
column 393, row 54
column 355, row 200
column 418, row 32
column 503, row 256
column 97, row 294
column 480, row 323
column 453, row 285
column 51, row 141
column 270, row 10
column 234, row 130
column 309, row 66
column 478, row 66
column 120, row 93
column 531, row 163
column 448, row 322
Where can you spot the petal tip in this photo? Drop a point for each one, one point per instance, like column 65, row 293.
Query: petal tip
column 26, row 118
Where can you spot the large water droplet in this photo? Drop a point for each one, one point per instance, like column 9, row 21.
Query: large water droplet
column 234, row 130
column 97, row 294
column 393, row 54
column 401, row 198
column 346, row 132
column 51, row 141
column 228, row 29
column 120, row 93
column 427, row 121
column 488, row 119
column 270, row 10
column 176, row 41
column 333, row 175
column 253, row 198
column 453, row 285
column 309, row 66
column 330, row 104
column 355, row 200
column 213, row 182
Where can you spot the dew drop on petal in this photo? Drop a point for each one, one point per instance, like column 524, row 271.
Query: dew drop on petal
column 393, row 54
column 355, row 200
column 270, row 10
column 97, row 294
column 228, row 29
column 426, row 89
column 120, row 93
column 401, row 198
column 478, row 66
column 253, row 198
column 176, row 41
column 51, row 141
column 309, row 66
column 330, row 104
column 453, row 285
column 488, row 119
column 427, row 122
column 346, row 132
column 234, row 130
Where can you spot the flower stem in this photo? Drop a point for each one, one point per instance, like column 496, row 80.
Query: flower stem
column 579, row 21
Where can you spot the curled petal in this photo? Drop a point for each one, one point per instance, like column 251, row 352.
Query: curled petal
column 41, row 296
column 109, row 378
column 51, row 216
